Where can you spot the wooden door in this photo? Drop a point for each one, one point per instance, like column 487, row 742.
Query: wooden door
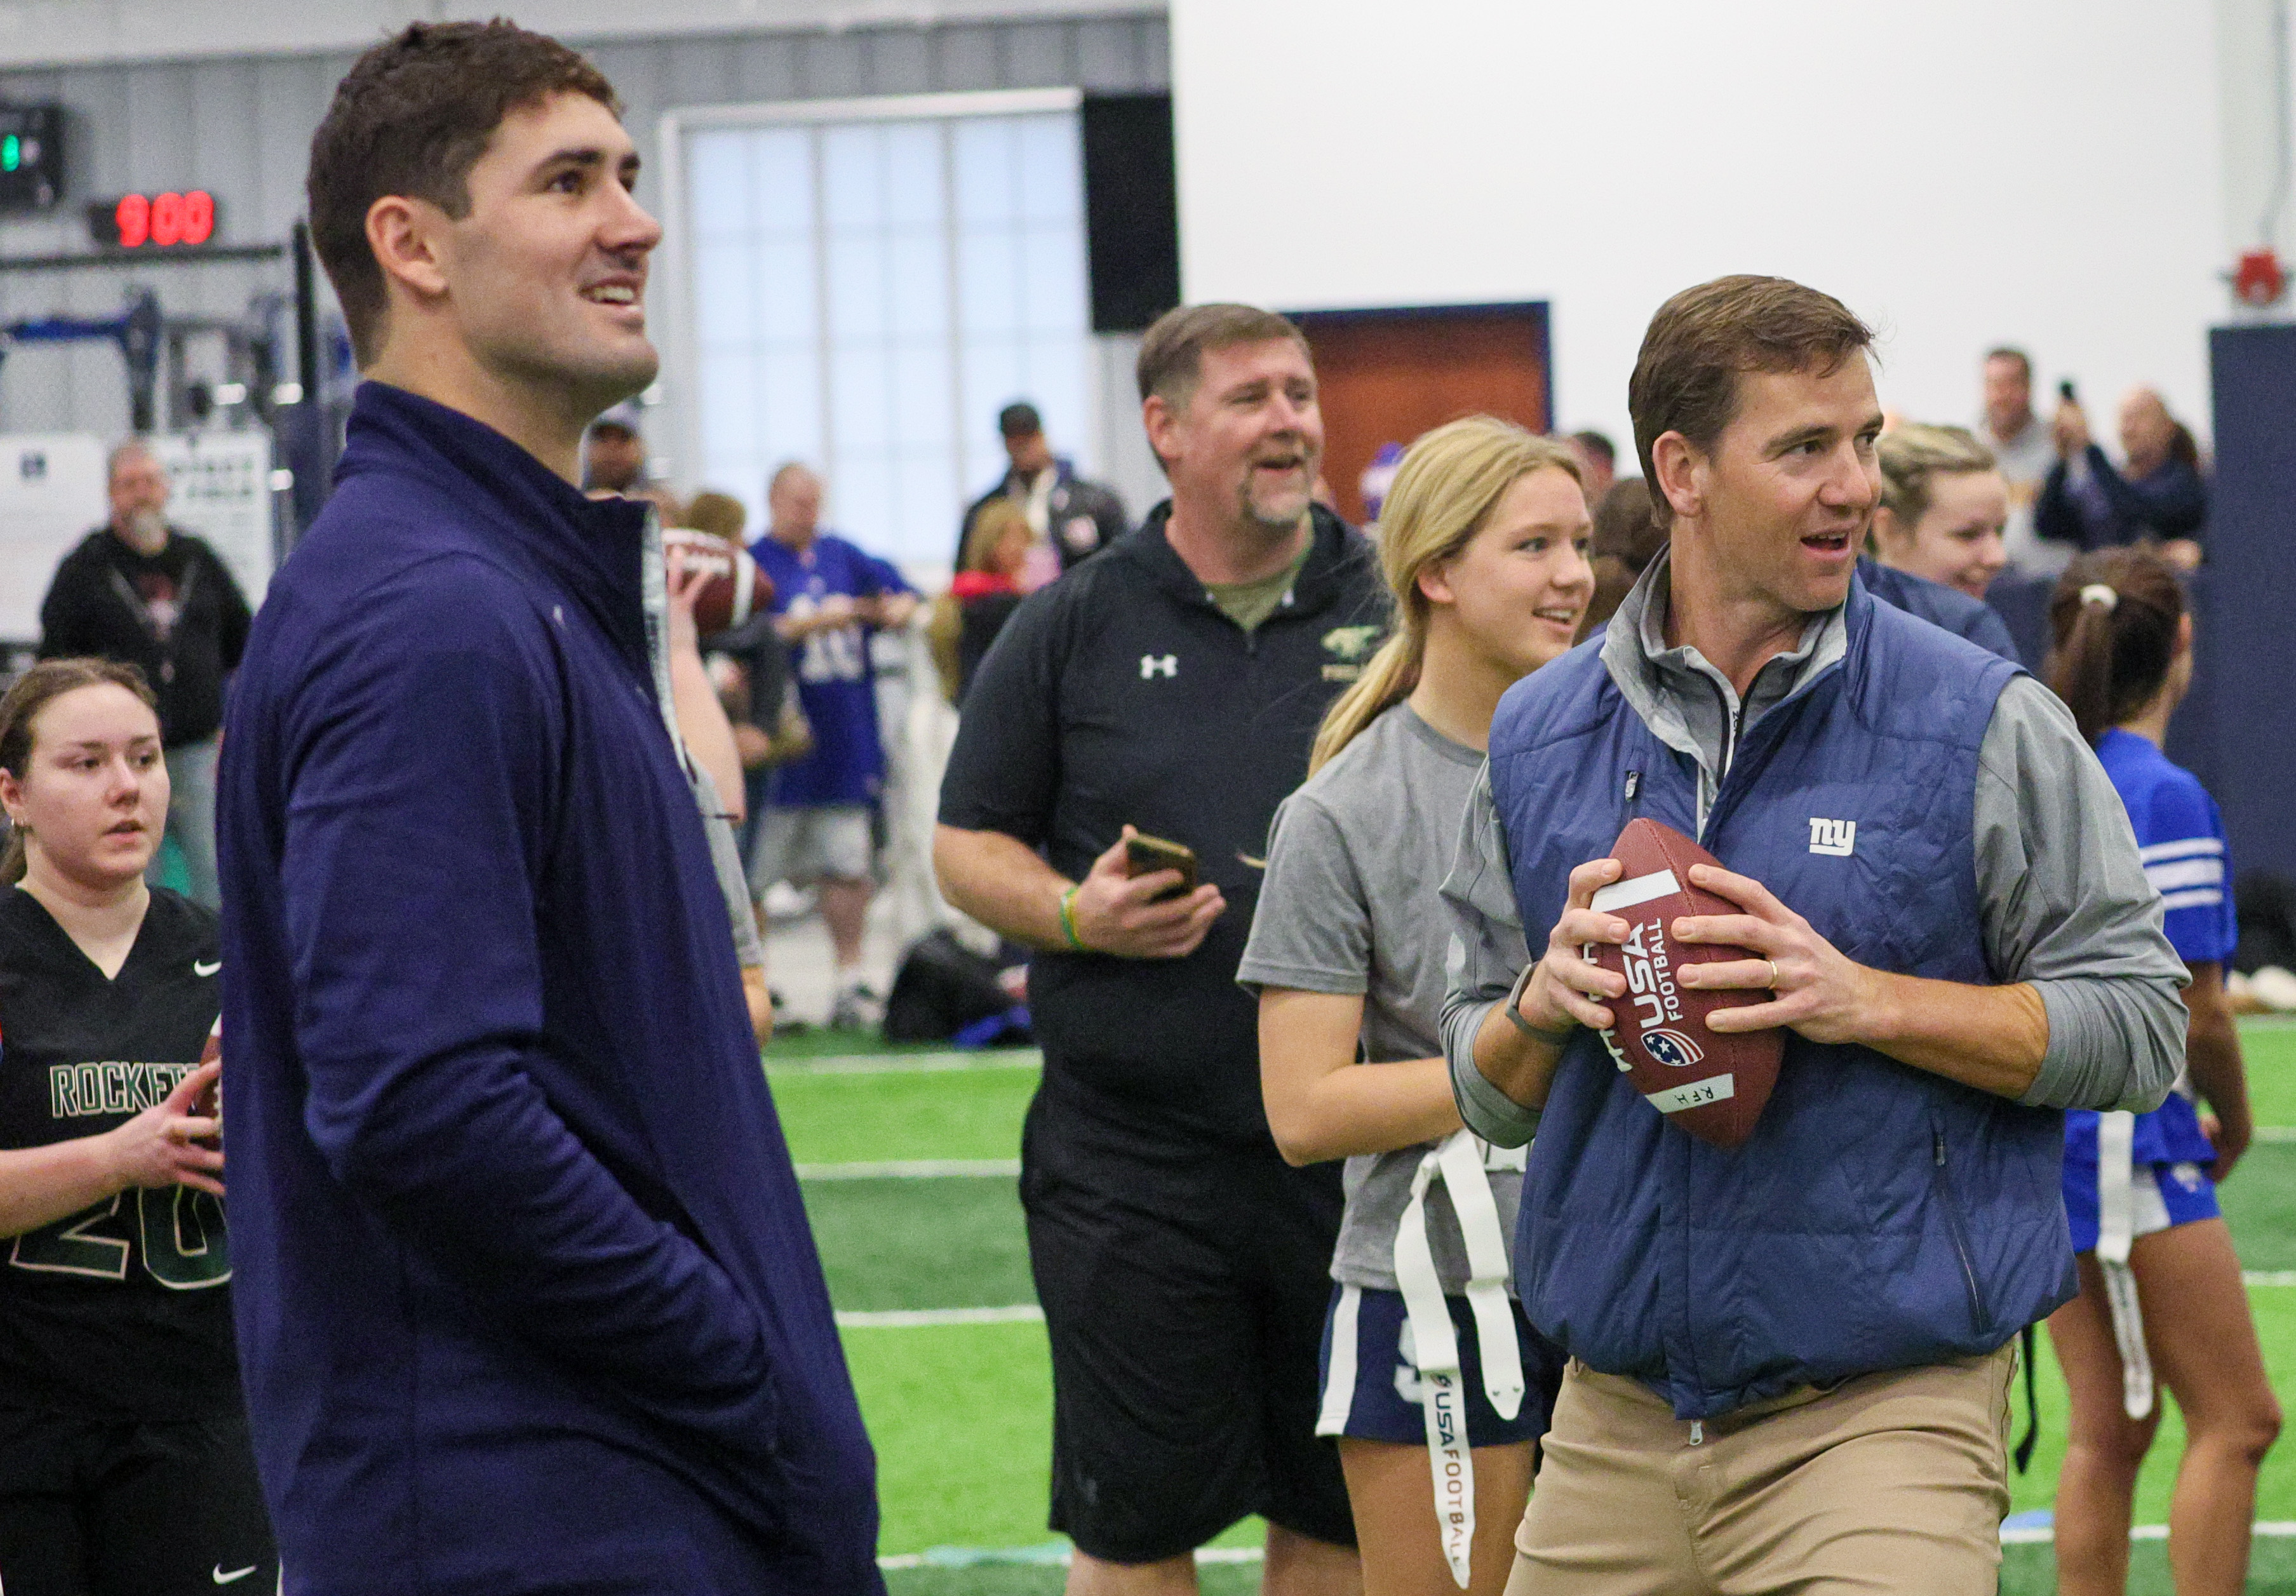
column 1386, row 376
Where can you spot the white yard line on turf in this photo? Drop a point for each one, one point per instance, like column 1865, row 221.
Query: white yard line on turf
column 904, row 1063
column 1055, row 1552
column 1052, row 1554
column 2268, row 1277
column 1026, row 1312
column 910, row 1169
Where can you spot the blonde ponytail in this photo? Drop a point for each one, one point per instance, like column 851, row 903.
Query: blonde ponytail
column 1448, row 484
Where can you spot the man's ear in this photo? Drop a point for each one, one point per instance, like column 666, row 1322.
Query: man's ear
column 406, row 235
column 1162, row 423
column 1681, row 468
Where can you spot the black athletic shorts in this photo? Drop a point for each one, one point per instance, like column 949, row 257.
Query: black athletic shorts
column 1183, row 1295
column 95, row 1507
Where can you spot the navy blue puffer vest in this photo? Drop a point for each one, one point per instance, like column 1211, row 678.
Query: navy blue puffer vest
column 1880, row 1217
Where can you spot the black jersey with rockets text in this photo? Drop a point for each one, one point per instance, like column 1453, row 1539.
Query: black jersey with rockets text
column 120, row 1310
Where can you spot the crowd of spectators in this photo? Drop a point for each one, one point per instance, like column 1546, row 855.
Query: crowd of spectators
column 1997, row 510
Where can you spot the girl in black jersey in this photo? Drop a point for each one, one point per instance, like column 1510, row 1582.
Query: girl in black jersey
column 124, row 1460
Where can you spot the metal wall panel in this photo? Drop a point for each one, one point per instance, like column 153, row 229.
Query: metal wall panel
column 241, row 126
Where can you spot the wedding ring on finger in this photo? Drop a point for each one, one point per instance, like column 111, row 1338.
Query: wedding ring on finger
column 1773, row 963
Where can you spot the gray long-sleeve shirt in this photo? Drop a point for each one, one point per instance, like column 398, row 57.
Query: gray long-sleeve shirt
column 2062, row 895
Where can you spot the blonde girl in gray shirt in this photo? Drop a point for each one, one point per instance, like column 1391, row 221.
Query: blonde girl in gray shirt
column 1434, row 1382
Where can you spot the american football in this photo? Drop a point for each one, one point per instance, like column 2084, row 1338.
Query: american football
column 1713, row 1086
column 736, row 589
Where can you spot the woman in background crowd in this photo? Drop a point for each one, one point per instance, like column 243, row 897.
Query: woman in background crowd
column 1943, row 507
column 1627, row 539
column 1938, row 531
column 982, row 595
column 2161, row 1285
column 1484, row 541
column 125, row 1465
column 2160, row 498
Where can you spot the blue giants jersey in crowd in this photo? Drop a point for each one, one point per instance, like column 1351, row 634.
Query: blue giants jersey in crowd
column 835, row 682
column 2181, row 839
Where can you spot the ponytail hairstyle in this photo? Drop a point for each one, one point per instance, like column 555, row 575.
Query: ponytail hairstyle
column 1448, row 484
column 1910, row 456
column 2114, row 618
column 32, row 692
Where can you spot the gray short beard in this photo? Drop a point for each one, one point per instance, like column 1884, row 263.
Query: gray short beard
column 146, row 531
column 1274, row 524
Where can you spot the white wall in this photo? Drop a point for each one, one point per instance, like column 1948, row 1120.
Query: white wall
column 1962, row 173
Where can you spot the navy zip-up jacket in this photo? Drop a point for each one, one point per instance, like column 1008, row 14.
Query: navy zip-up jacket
column 526, row 1298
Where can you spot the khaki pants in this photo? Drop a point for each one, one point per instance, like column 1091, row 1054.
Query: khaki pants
column 1894, row 1482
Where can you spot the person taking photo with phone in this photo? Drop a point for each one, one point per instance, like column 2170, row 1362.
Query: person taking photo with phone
column 125, row 1464
column 1483, row 536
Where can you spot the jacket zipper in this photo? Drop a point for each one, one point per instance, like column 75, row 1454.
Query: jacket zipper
column 1947, row 1196
column 1729, row 753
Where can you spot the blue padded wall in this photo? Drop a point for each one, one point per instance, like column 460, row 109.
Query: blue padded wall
column 2241, row 723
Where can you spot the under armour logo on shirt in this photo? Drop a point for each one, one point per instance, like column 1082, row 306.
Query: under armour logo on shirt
column 1838, row 838
column 1153, row 665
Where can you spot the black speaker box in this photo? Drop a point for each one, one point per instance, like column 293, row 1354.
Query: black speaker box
column 1132, row 217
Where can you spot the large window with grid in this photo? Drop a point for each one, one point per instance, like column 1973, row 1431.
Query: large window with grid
column 866, row 291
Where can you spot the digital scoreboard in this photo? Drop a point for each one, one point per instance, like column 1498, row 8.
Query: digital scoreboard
column 151, row 224
column 31, row 158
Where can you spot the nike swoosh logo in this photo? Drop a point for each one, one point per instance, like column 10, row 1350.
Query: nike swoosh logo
column 199, row 969
column 222, row 1578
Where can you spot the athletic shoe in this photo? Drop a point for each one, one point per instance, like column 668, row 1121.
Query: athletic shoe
column 858, row 1009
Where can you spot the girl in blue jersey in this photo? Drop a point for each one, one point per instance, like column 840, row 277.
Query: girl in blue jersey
column 2161, row 1287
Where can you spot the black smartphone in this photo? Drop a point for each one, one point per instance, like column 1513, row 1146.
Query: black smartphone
column 1144, row 856
column 2065, row 392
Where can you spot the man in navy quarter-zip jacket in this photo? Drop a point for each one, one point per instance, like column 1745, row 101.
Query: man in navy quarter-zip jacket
column 526, row 1299
column 1791, row 1362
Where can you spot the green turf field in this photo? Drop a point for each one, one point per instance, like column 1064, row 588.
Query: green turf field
column 961, row 1411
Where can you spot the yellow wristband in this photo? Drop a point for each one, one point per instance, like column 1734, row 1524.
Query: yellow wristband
column 1067, row 917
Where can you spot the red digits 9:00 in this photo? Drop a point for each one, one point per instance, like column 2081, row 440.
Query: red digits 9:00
column 165, row 220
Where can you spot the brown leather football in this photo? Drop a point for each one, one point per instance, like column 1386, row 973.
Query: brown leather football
column 736, row 589
column 1711, row 1085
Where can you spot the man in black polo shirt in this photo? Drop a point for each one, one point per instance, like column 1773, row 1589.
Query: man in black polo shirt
column 1172, row 684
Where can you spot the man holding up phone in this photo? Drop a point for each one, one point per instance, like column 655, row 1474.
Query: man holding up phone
column 1171, row 685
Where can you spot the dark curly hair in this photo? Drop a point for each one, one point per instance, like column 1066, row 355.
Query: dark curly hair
column 411, row 117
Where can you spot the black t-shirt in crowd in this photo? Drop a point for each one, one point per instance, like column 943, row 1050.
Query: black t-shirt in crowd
column 120, row 1310
column 176, row 614
column 1122, row 694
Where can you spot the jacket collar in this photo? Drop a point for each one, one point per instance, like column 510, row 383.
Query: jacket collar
column 591, row 548
column 1649, row 675
column 1334, row 548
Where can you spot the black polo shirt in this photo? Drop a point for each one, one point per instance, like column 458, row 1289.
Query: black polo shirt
column 1120, row 693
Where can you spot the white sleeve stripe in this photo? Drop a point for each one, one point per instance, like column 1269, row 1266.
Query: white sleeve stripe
column 2199, row 897
column 2183, row 849
column 2185, row 872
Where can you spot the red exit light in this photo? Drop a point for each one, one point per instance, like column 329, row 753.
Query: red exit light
column 163, row 221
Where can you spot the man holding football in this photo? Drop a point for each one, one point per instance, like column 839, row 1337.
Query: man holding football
column 1790, row 1361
